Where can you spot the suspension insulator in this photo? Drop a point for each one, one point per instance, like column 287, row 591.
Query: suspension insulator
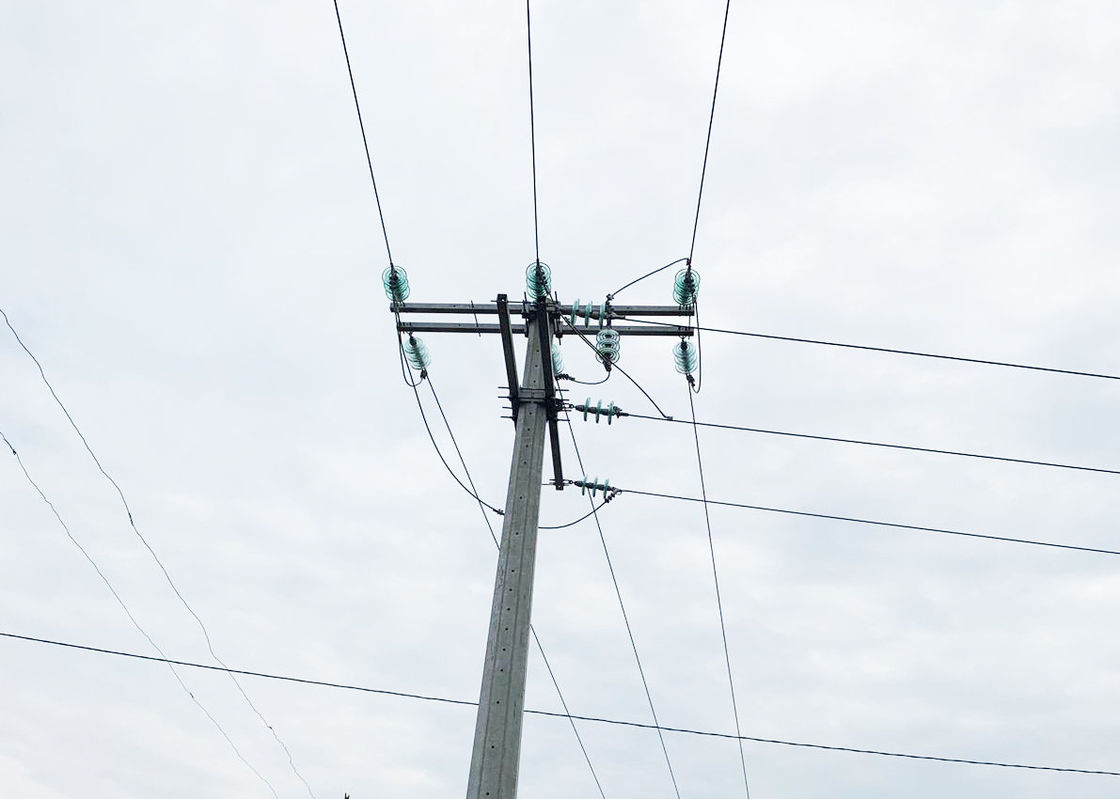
column 538, row 280
column 591, row 486
column 607, row 346
column 685, row 355
column 686, row 286
column 395, row 281
column 416, row 354
column 598, row 411
column 557, row 359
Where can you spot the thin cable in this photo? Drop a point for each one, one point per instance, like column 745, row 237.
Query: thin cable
column 131, row 617
column 155, row 557
column 532, row 131
column 590, row 513
column 625, row 617
column 550, row 714
column 443, row 460
column 876, row 523
column 624, row 373
column 571, row 379
column 616, row 292
column 719, row 599
column 889, row 350
column 498, row 546
column 362, row 126
column 881, row 444
column 708, row 141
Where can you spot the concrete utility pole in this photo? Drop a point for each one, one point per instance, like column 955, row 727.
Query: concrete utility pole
column 536, row 407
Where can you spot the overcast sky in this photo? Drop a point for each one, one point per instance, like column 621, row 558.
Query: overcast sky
column 190, row 246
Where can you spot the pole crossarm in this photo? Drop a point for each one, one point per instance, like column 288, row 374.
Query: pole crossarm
column 524, row 307
column 521, row 329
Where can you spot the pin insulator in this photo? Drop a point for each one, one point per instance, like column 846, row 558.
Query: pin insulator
column 416, row 354
column 538, row 280
column 607, row 346
column 557, row 359
column 686, row 286
column 395, row 281
column 685, row 356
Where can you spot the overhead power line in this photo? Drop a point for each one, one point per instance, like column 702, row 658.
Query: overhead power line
column 551, row 714
column 708, row 140
column 532, row 130
column 906, row 447
column 532, row 629
column 362, row 126
column 893, row 351
column 876, row 523
column 719, row 598
column 625, row 618
column 131, row 617
column 163, row 569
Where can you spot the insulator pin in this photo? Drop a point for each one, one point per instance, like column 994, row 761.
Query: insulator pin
column 686, row 286
column 416, row 354
column 685, row 356
column 395, row 281
column 538, row 280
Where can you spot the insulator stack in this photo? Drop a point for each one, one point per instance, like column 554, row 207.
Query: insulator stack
column 538, row 280
column 557, row 359
column 416, row 354
column 395, row 281
column 685, row 287
column 607, row 346
column 591, row 486
column 685, row 355
column 598, row 411
column 587, row 313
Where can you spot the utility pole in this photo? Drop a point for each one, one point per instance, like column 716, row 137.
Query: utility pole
column 536, row 405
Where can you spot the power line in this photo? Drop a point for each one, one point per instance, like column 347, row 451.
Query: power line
column 532, row 629
column 715, row 580
column 854, row 520
column 155, row 557
column 625, row 617
column 362, row 126
column 708, row 141
column 532, row 131
column 551, row 714
column 616, row 292
column 881, row 444
column 891, row 351
column 132, row 618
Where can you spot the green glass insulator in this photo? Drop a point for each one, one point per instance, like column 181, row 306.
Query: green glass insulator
column 416, row 354
column 395, row 281
column 686, row 286
column 538, row 280
column 685, row 356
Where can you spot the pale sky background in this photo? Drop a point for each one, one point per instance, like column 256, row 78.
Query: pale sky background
column 190, row 246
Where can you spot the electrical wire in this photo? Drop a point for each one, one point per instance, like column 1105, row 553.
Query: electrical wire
column 708, row 141
column 532, row 629
column 873, row 522
column 446, row 465
column 551, row 714
column 888, row 350
column 616, row 292
column 880, row 444
column 532, row 131
column 362, row 126
column 571, row 379
column 624, row 373
column 166, row 574
column 625, row 617
column 719, row 598
column 590, row 513
column 132, row 618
